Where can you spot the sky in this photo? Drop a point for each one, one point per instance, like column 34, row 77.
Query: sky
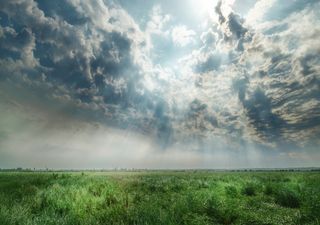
column 159, row 84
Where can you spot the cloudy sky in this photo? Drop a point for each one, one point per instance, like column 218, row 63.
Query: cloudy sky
column 159, row 83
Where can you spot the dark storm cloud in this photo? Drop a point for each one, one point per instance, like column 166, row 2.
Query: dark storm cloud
column 66, row 11
column 87, row 58
column 14, row 42
column 258, row 109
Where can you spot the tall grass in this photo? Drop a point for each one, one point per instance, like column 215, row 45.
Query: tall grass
column 154, row 198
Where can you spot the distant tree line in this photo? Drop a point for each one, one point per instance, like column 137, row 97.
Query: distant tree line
column 20, row 169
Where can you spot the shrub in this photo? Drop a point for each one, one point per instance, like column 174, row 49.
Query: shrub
column 221, row 211
column 287, row 198
column 268, row 189
column 310, row 207
column 249, row 190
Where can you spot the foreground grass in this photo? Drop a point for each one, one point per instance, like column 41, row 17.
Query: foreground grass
column 166, row 198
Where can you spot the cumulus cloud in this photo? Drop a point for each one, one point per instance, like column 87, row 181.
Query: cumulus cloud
column 265, row 67
column 278, row 69
column 93, row 55
column 158, row 21
column 182, row 36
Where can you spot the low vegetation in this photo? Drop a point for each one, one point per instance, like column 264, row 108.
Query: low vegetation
column 152, row 198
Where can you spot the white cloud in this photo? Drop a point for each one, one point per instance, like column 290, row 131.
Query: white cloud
column 158, row 21
column 255, row 15
column 182, row 36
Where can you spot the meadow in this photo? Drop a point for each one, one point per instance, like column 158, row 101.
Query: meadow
column 163, row 197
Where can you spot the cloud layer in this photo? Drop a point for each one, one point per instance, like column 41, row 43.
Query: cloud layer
column 242, row 84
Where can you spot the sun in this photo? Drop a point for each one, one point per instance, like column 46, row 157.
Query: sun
column 207, row 7
column 203, row 7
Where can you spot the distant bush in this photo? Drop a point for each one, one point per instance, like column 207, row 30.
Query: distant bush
column 249, row 190
column 268, row 189
column 287, row 198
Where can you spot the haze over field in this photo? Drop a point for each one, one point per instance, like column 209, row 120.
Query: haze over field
column 159, row 84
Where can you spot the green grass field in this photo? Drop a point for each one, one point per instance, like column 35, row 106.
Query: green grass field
column 194, row 197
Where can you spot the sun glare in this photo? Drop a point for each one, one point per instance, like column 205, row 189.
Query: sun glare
column 206, row 7
column 203, row 7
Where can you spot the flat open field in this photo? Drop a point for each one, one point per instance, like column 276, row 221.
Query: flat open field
column 193, row 197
